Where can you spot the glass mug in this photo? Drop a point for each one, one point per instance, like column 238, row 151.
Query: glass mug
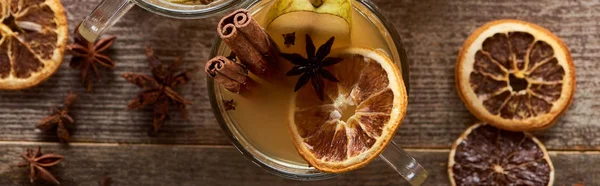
column 399, row 160
column 108, row 12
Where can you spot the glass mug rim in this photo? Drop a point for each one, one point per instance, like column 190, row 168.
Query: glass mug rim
column 108, row 12
column 208, row 11
column 217, row 106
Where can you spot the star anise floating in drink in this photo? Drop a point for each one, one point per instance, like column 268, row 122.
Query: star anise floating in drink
column 87, row 55
column 159, row 89
column 59, row 119
column 38, row 162
column 312, row 68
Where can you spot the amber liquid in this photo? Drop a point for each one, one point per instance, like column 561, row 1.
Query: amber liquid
column 262, row 114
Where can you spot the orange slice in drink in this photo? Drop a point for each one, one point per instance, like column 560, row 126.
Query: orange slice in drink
column 358, row 117
column 33, row 37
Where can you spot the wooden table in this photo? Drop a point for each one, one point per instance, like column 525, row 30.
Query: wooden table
column 111, row 140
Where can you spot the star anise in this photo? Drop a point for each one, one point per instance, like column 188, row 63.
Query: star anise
column 59, row 119
column 312, row 67
column 37, row 163
column 86, row 55
column 159, row 89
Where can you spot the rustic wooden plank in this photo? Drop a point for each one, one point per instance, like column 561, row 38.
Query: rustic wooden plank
column 196, row 165
column 102, row 115
column 433, row 32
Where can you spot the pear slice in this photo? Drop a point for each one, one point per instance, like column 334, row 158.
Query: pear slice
column 321, row 19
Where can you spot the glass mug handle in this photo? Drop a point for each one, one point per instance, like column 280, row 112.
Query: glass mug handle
column 404, row 164
column 104, row 16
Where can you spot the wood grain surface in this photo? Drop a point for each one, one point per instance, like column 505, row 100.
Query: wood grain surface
column 110, row 138
column 223, row 165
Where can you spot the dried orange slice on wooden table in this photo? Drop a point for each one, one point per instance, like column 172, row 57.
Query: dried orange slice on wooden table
column 485, row 155
column 33, row 37
column 358, row 117
column 515, row 75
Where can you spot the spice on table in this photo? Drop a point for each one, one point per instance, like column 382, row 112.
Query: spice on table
column 38, row 162
column 248, row 40
column 159, row 89
column 87, row 55
column 226, row 72
column 60, row 119
column 312, row 68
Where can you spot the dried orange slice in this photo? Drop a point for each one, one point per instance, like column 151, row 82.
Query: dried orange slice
column 515, row 75
column 485, row 155
column 33, row 37
column 358, row 117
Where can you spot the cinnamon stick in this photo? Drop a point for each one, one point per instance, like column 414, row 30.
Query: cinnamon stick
column 247, row 25
column 248, row 40
column 231, row 75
